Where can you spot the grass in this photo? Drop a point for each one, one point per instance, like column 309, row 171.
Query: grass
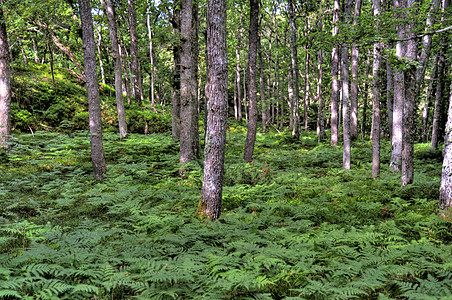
column 294, row 224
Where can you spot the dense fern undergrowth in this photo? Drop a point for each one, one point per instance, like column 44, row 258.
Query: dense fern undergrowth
column 294, row 224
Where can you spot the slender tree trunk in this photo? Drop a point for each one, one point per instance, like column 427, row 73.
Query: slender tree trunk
column 262, row 90
column 5, row 84
column 399, row 96
column 189, row 136
column 354, row 83
column 294, row 60
column 335, row 79
column 252, row 90
column 409, row 103
column 426, row 44
column 438, row 97
column 321, row 133
column 306, row 83
column 136, row 79
column 110, row 11
column 95, row 117
column 99, row 51
column 428, row 97
column 376, row 98
column 212, row 184
column 239, row 88
column 389, row 96
column 366, row 94
column 151, row 57
column 445, row 193
column 175, row 112
column 345, row 94
column 35, row 51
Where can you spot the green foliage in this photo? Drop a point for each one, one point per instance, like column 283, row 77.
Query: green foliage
column 294, row 224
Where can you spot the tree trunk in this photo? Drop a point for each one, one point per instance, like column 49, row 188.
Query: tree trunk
column 376, row 98
column 399, row 96
column 99, row 51
column 151, row 57
column 239, row 87
column 262, row 90
column 252, row 90
column 345, row 94
column 175, row 112
column 95, row 117
column 212, row 183
column 189, row 136
column 409, row 103
column 321, row 134
column 428, row 97
column 110, row 11
column 294, row 60
column 445, row 193
column 389, row 96
column 438, row 96
column 354, row 83
column 136, row 79
column 5, row 84
column 335, row 79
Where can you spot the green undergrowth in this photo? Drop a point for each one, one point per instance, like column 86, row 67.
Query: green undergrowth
column 294, row 224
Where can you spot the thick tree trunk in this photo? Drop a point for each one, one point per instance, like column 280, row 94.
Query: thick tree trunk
column 376, row 98
column 136, row 72
column 252, row 90
column 189, row 136
column 294, row 60
column 5, row 86
column 335, row 79
column 445, row 193
column 409, row 103
column 212, row 183
column 108, row 6
column 95, row 117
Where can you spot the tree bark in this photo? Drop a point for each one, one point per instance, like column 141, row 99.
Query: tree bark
column 321, row 133
column 251, row 79
column 428, row 96
column 366, row 93
column 151, row 58
column 239, row 87
column 345, row 94
column 294, row 60
column 262, row 90
column 212, row 184
column 110, row 11
column 175, row 112
column 376, row 98
column 409, row 103
column 335, row 79
column 445, row 193
column 438, row 96
column 5, row 86
column 354, row 83
column 399, row 96
column 189, row 136
column 390, row 96
column 136, row 79
column 95, row 117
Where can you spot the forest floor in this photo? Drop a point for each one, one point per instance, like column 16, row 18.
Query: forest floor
column 294, row 224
